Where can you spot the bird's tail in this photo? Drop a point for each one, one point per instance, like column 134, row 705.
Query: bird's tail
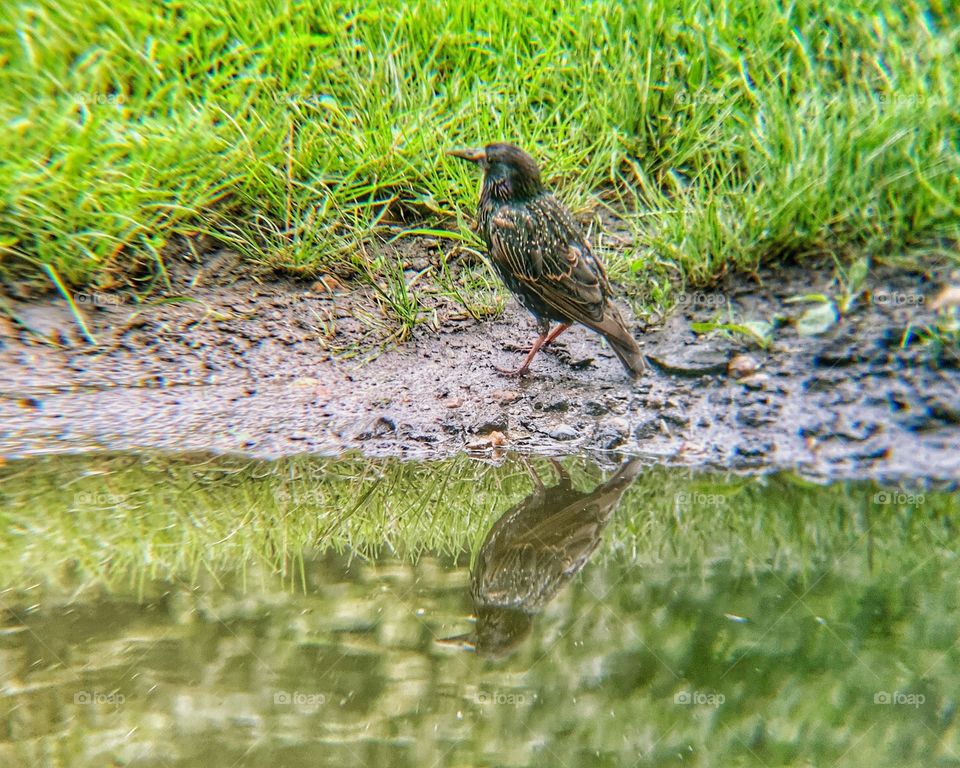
column 614, row 330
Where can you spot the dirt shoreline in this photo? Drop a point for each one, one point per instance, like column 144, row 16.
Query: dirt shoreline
column 248, row 367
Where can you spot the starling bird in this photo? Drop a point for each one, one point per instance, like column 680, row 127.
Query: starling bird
column 532, row 552
column 542, row 256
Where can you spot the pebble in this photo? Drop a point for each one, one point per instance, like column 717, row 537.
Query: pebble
column 619, row 424
column 490, row 420
column 741, row 366
column 493, row 439
column 563, row 432
column 382, row 425
column 756, row 381
column 505, row 396
column 325, row 284
column 595, row 408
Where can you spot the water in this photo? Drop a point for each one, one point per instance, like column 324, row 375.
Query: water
column 180, row 611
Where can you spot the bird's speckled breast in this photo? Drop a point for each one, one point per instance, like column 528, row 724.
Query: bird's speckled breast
column 521, row 290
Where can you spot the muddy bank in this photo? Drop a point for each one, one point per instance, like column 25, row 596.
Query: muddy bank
column 264, row 368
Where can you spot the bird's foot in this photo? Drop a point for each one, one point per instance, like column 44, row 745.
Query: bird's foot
column 566, row 357
column 523, row 370
column 581, row 364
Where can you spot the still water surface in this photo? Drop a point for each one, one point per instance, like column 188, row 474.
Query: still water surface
column 193, row 611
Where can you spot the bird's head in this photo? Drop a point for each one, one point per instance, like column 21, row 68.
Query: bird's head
column 509, row 173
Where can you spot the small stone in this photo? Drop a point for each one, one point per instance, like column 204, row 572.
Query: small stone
column 563, row 432
column 753, row 448
column 505, row 396
column 756, row 381
column 619, row 424
column 613, row 433
column 610, row 441
column 595, row 408
column 453, row 402
column 741, row 366
column 649, row 428
column 493, row 439
column 325, row 284
column 382, row 425
column 490, row 420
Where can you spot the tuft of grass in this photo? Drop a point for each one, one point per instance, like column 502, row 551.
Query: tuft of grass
column 306, row 134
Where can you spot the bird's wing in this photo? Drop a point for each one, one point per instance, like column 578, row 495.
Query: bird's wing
column 541, row 246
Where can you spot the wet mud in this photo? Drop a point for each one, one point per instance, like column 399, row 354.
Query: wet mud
column 270, row 367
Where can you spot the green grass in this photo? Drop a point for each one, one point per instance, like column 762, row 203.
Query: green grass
column 307, row 134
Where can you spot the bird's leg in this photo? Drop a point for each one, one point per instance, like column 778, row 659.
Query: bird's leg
column 561, row 473
column 523, row 369
column 556, row 332
column 540, row 488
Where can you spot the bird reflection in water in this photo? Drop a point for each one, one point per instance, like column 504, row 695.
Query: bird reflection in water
column 532, row 551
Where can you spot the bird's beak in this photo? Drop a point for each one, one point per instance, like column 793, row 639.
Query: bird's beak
column 466, row 642
column 473, row 155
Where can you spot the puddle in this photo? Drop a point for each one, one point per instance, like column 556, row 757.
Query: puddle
column 189, row 610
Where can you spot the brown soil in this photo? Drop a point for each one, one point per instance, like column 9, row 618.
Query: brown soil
column 261, row 368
